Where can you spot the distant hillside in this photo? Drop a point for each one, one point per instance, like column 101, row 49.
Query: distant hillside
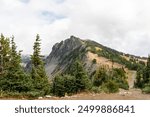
column 91, row 54
column 25, row 60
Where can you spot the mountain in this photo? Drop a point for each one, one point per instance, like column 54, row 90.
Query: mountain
column 25, row 60
column 91, row 54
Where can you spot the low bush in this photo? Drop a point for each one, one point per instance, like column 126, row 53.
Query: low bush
column 96, row 89
column 100, row 77
column 146, row 89
column 94, row 61
column 58, row 86
column 111, row 87
column 69, row 82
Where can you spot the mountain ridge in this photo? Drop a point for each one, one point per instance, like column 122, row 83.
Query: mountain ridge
column 63, row 55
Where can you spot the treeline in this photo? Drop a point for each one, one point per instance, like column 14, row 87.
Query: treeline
column 76, row 80
column 114, row 56
column 13, row 79
column 143, row 78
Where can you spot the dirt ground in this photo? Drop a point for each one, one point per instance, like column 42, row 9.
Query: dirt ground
column 102, row 61
column 132, row 94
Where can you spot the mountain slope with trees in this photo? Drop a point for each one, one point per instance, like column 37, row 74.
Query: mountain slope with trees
column 66, row 52
column 106, row 69
column 74, row 66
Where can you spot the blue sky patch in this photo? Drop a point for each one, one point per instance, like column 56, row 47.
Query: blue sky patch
column 51, row 17
column 25, row 1
column 59, row 1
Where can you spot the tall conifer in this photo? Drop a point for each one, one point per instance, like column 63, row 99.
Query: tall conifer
column 38, row 73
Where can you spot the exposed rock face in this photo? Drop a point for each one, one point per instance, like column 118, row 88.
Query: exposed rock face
column 55, row 62
column 66, row 52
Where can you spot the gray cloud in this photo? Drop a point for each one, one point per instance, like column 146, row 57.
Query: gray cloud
column 120, row 24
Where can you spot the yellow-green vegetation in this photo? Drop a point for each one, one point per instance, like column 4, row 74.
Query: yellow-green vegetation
column 110, row 87
column 110, row 80
column 113, row 55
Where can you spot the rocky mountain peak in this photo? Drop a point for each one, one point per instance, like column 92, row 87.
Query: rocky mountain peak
column 60, row 51
column 68, row 44
column 65, row 47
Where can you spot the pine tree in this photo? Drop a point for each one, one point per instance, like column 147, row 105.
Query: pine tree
column 82, row 81
column 4, row 55
column 15, row 57
column 147, row 72
column 58, row 86
column 70, row 82
column 38, row 73
column 15, row 79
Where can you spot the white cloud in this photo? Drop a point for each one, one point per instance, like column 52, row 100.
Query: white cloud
column 120, row 24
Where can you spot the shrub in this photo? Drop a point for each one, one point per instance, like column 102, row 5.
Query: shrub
column 58, row 87
column 124, row 85
column 33, row 94
column 93, row 49
column 146, row 89
column 111, row 87
column 94, row 61
column 64, row 84
column 100, row 77
column 16, row 82
column 118, row 75
column 96, row 89
column 69, row 82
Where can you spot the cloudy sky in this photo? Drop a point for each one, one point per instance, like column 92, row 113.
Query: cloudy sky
column 120, row 24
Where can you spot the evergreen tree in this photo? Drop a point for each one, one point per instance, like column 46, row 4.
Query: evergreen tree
column 82, row 80
column 58, row 86
column 143, row 77
column 146, row 77
column 70, row 84
column 15, row 80
column 63, row 84
column 147, row 71
column 4, row 55
column 100, row 77
column 139, row 79
column 38, row 73
column 15, row 57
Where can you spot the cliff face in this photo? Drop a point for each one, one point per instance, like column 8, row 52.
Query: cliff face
column 66, row 52
column 58, row 59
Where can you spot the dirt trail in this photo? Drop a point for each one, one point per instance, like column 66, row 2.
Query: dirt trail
column 131, row 78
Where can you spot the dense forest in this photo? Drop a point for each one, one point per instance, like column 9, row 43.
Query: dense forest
column 15, row 81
